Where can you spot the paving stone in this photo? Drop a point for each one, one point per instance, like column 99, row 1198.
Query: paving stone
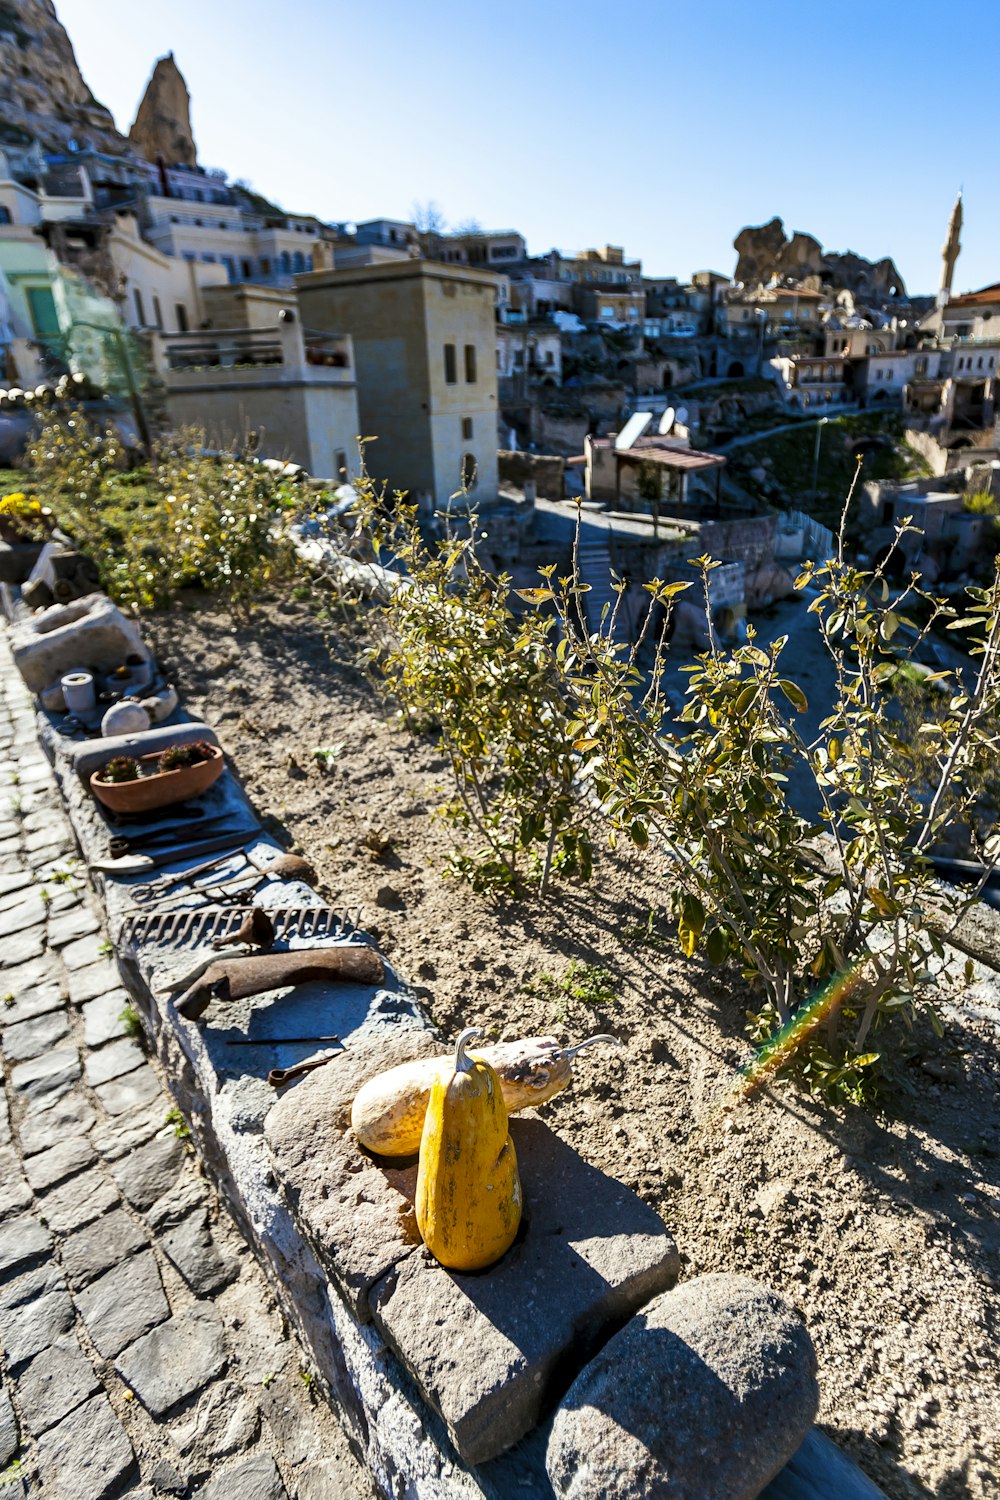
column 137, row 1088
column 22, row 1240
column 113, row 1061
column 71, row 1115
column 86, row 1456
column 56, row 1382
column 20, row 947
column 123, row 1304
column 293, row 1423
column 14, row 880
column 105, row 1243
column 30, row 990
column 49, row 842
column 102, row 1018
column 255, row 1478
column 489, row 1352
column 79, row 922
column 4, row 1119
column 15, row 1193
column 78, row 1201
column 193, row 1251
column 27, row 1285
column 9, row 1440
column 27, row 913
column 32, row 1326
column 226, row 1420
column 176, row 1360
column 49, row 1168
column 95, row 979
column 341, row 1477
column 149, row 1171
column 185, row 1196
column 116, row 1138
column 31, row 1038
column 83, row 951
column 47, row 1077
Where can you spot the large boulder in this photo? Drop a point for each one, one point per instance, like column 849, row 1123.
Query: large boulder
column 705, row 1395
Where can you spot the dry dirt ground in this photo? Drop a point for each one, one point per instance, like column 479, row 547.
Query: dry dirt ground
column 884, row 1231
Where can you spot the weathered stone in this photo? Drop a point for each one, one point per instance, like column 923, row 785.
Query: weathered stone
column 32, row 1326
column 78, row 1201
column 487, row 1351
column 4, row 1120
column 47, row 1077
column 123, row 1304
column 183, row 1198
column 71, row 925
column 21, row 947
column 102, row 1018
column 332, row 1476
column 38, row 1281
column 95, row 979
column 161, row 130
column 176, row 1360
column 11, row 881
column 193, row 1251
column 149, row 1171
column 255, row 1478
column 15, row 1194
column 9, row 1440
column 136, row 1088
column 56, row 1382
column 112, row 1061
column 22, row 1240
column 106, row 1242
column 709, row 1391
column 85, row 951
column 353, row 1215
column 87, row 1455
column 166, row 1480
column 48, row 1168
column 72, row 1115
column 31, row 1038
column 116, row 1138
column 29, row 912
column 31, row 989
column 91, row 631
column 225, row 1421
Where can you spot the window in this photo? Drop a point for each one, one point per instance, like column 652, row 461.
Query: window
column 920, row 367
column 180, row 312
column 450, row 369
column 247, row 269
column 469, row 471
column 466, row 428
column 157, row 313
column 265, row 266
column 140, row 311
column 470, row 364
column 208, row 259
column 340, row 464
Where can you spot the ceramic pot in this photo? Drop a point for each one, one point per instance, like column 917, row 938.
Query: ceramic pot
column 160, row 790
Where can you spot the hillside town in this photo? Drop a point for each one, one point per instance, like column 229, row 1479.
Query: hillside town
column 500, row 979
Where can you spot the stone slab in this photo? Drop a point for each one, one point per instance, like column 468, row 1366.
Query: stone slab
column 28, row 912
column 31, row 1038
column 102, row 1018
column 226, row 1420
column 191, row 1248
column 105, row 1243
column 72, row 1115
column 47, row 1077
column 123, row 1304
column 15, row 1194
column 95, row 979
column 32, row 1326
column 358, row 1223
column 87, row 1455
column 489, row 1351
column 69, row 926
column 9, row 1438
column 21, row 947
column 149, row 1171
column 113, row 1061
column 78, row 1201
column 170, row 1364
column 139, row 1087
column 84, row 951
column 48, row 1168
column 22, row 1240
column 56, row 1382
column 255, row 1478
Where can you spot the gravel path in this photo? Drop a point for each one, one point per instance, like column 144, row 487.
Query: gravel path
column 143, row 1354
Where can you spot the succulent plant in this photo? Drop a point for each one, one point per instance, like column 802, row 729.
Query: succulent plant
column 122, row 768
column 185, row 755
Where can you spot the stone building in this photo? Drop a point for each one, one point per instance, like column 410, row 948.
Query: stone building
column 424, row 337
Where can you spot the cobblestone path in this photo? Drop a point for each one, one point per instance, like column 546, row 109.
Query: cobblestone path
column 143, row 1354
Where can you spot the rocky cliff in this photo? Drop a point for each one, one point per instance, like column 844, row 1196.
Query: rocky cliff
column 765, row 251
column 42, row 92
column 162, row 128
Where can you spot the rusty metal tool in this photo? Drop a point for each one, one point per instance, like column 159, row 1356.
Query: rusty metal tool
column 278, row 1077
column 195, row 926
column 256, row 931
column 288, row 866
column 231, row 979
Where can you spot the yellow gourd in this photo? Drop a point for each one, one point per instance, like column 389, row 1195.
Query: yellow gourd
column 468, row 1189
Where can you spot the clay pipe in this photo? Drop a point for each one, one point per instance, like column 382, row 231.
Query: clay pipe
column 278, row 1077
column 230, row 979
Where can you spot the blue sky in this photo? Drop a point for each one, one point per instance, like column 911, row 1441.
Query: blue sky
column 661, row 126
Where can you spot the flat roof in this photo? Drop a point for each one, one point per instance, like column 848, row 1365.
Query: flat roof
column 669, row 455
column 398, row 270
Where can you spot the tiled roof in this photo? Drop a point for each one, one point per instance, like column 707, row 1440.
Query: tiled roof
column 972, row 299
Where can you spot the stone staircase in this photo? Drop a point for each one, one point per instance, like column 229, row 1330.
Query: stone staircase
column 594, row 556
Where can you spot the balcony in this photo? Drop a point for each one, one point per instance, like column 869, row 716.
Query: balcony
column 254, row 356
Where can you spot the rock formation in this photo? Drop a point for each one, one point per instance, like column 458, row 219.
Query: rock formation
column 162, row 127
column 764, row 252
column 42, row 92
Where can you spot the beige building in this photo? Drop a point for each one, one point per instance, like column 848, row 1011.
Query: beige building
column 257, row 379
column 424, row 337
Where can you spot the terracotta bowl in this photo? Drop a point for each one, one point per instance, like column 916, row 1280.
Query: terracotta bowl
column 166, row 787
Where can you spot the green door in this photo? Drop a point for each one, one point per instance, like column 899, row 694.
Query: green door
column 42, row 307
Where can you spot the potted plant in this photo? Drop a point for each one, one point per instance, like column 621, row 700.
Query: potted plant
column 23, row 518
column 127, row 785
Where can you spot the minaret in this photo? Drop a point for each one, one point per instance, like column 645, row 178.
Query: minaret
column 950, row 252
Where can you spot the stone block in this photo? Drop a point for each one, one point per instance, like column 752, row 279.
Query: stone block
column 84, row 951
column 56, row 1382
column 123, row 1304
column 130, row 1092
column 31, row 1038
column 255, row 1478
column 191, row 1248
column 351, row 1211
column 490, row 1351
column 91, row 633
column 87, row 1455
column 35, row 987
column 102, row 1018
column 9, row 1437
column 15, row 1194
column 117, row 1137
column 21, row 947
column 78, row 1201
column 49, row 1168
column 112, row 1061
column 22, row 1240
column 149, row 1171
column 72, row 1115
column 226, row 1420
column 709, row 1391
column 96, row 979
column 30, row 912
column 70, row 926
column 97, row 1247
column 32, row 1326
column 170, row 1364
column 47, row 1077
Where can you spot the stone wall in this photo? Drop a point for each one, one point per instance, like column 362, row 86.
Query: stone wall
column 544, row 470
